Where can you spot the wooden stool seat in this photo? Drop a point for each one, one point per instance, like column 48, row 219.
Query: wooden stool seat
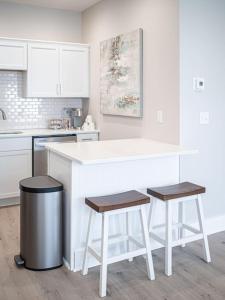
column 175, row 191
column 117, row 201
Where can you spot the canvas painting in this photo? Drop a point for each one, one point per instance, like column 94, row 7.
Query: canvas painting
column 121, row 75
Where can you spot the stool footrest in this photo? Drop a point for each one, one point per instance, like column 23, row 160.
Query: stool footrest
column 94, row 253
column 117, row 258
column 137, row 243
column 174, row 225
column 157, row 238
column 188, row 239
column 191, row 229
column 126, row 255
column 117, row 238
column 113, row 239
column 198, row 236
column 177, row 225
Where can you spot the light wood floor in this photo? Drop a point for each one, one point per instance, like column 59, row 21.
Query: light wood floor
column 193, row 279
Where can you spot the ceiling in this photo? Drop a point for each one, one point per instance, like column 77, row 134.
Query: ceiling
column 75, row 5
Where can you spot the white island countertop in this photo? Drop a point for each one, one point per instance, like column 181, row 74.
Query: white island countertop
column 116, row 150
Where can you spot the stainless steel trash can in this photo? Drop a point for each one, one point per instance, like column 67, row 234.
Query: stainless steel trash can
column 40, row 223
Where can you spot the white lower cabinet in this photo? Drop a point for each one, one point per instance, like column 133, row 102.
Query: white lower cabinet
column 15, row 164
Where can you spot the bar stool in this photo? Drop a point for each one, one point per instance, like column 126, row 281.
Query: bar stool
column 114, row 205
column 178, row 193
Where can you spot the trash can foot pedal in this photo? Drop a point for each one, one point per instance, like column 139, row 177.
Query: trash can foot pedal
column 19, row 261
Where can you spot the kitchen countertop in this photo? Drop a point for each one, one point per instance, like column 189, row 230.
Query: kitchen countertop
column 116, row 150
column 42, row 132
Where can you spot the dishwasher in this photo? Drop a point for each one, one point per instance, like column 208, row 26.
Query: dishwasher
column 40, row 154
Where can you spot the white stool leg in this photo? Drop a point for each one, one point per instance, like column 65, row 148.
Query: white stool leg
column 202, row 227
column 181, row 230
column 88, row 242
column 149, row 262
column 168, row 250
column 128, row 232
column 151, row 214
column 104, row 255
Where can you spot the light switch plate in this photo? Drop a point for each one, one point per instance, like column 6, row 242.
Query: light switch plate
column 204, row 117
column 160, row 116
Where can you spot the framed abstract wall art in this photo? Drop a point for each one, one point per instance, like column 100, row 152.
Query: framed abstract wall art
column 121, row 68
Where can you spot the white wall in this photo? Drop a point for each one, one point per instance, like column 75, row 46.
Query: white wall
column 159, row 20
column 32, row 22
column 202, row 46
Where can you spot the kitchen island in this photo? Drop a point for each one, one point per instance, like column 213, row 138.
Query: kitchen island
column 102, row 168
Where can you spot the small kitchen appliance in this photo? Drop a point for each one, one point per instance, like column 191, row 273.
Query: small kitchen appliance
column 76, row 116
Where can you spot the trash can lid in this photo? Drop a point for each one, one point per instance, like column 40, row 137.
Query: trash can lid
column 40, row 184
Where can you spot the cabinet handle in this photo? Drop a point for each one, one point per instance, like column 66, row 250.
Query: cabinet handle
column 86, row 140
column 57, row 89
column 60, row 89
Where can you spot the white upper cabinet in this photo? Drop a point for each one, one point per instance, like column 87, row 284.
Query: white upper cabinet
column 53, row 69
column 13, row 55
column 57, row 71
column 74, row 71
column 43, row 70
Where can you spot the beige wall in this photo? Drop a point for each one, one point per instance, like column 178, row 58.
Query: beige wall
column 32, row 22
column 159, row 20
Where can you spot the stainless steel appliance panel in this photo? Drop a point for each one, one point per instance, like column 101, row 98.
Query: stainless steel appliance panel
column 40, row 154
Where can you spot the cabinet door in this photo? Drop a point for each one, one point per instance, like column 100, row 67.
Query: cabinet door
column 13, row 55
column 43, row 70
column 15, row 165
column 74, row 71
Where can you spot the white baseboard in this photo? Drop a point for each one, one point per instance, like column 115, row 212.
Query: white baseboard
column 9, row 201
column 66, row 264
column 215, row 224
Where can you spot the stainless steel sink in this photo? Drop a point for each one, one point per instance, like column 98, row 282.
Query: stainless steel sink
column 10, row 132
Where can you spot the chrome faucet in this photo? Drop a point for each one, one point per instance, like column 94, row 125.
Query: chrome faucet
column 3, row 114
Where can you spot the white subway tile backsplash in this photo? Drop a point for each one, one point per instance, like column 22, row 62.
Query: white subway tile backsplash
column 28, row 112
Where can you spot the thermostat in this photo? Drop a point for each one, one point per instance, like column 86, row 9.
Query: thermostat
column 198, row 84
